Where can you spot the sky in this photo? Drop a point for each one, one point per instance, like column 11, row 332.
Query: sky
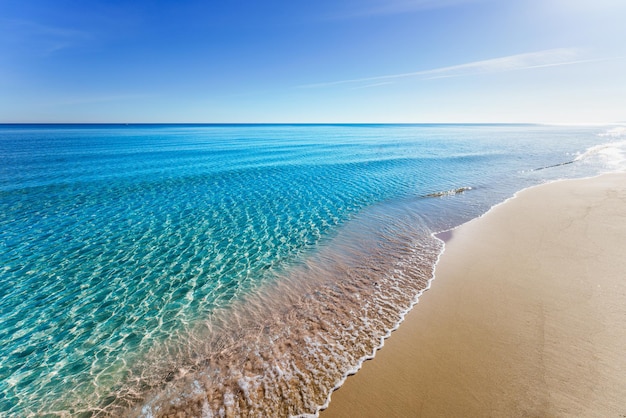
column 322, row 61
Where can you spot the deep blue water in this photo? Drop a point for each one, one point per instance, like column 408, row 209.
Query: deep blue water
column 118, row 243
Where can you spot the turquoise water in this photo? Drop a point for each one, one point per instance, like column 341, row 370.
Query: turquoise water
column 235, row 268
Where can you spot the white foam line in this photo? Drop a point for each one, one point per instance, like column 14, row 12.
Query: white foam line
column 415, row 300
column 363, row 359
column 615, row 171
column 515, row 195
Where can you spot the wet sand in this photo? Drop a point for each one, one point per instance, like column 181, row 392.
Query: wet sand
column 526, row 317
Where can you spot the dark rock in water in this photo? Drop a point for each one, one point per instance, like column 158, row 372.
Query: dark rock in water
column 449, row 192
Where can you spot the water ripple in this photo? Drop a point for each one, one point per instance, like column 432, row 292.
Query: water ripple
column 217, row 268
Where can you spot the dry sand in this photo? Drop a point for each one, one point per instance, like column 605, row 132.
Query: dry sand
column 526, row 317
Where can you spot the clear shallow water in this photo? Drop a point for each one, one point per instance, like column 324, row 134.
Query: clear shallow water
column 235, row 270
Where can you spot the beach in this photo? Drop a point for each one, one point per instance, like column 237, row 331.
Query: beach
column 238, row 269
column 526, row 316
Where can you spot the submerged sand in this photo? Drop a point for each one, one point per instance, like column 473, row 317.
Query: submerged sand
column 526, row 317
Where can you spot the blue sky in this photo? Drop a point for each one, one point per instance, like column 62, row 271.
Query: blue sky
column 561, row 61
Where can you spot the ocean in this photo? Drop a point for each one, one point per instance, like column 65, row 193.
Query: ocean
column 236, row 270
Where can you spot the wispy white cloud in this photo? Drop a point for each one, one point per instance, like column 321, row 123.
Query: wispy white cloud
column 367, row 86
column 518, row 62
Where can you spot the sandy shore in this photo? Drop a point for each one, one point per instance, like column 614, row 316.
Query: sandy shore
column 526, row 317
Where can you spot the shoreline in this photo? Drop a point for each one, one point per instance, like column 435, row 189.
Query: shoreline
column 473, row 348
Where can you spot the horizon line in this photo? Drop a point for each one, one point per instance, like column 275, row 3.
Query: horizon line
column 317, row 123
